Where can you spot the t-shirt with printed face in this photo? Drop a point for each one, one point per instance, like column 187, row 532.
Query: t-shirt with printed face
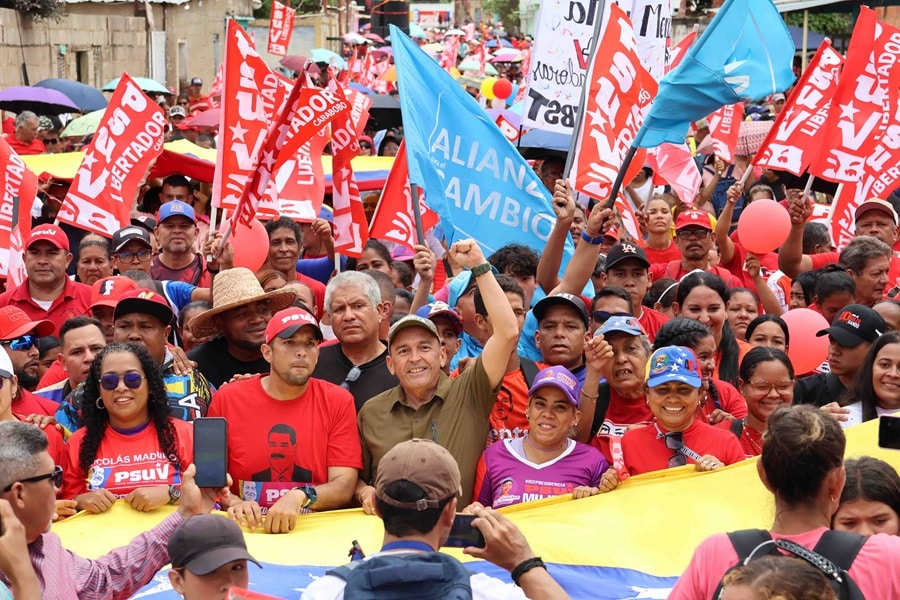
column 125, row 463
column 275, row 446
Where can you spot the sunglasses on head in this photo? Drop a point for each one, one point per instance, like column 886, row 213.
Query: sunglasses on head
column 23, row 342
column 110, row 381
column 352, row 375
column 56, row 475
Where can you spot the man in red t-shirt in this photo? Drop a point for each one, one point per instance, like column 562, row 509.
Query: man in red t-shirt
column 293, row 443
column 25, row 140
column 19, row 336
column 694, row 238
column 627, row 267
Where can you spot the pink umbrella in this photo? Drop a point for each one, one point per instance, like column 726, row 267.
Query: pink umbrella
column 298, row 63
column 382, row 52
column 374, row 37
column 207, row 118
column 506, row 55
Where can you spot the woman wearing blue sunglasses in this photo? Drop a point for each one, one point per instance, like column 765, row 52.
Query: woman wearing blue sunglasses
column 129, row 447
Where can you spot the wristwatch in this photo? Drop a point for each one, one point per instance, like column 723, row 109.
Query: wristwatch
column 174, row 494
column 481, row 269
column 311, row 495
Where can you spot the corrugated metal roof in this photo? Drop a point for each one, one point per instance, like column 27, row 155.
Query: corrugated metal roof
column 792, row 5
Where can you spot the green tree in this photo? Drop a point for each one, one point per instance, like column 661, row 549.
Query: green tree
column 506, row 11
column 39, row 9
column 303, row 6
column 836, row 26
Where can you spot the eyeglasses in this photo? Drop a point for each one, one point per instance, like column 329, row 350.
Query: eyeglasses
column 675, row 442
column 686, row 234
column 764, row 387
column 352, row 375
column 51, row 141
column 110, row 381
column 23, row 342
column 142, row 256
column 365, row 145
column 601, row 316
column 56, row 475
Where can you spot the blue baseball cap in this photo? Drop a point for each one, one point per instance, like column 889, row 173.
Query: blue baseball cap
column 560, row 378
column 176, row 208
column 461, row 284
column 628, row 325
column 673, row 363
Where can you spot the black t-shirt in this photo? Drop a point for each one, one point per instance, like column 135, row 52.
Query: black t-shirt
column 218, row 365
column 819, row 389
column 374, row 376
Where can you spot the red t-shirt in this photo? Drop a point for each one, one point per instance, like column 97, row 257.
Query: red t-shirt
column 730, row 400
column 621, row 415
column 125, row 463
column 751, row 440
column 662, row 256
column 56, row 444
column 644, row 452
column 54, row 374
column 35, row 147
column 507, row 418
column 74, row 301
column 31, row 404
column 651, row 320
column 675, row 270
column 277, row 445
column 768, row 262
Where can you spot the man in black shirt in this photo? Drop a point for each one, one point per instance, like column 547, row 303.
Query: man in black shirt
column 854, row 329
column 357, row 362
column 241, row 310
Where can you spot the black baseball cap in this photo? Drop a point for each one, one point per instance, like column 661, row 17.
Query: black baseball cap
column 623, row 251
column 540, row 309
column 204, row 543
column 126, row 234
column 855, row 324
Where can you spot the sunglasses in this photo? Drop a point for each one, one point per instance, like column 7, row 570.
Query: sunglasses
column 352, row 375
column 51, row 141
column 23, row 342
column 110, row 381
column 675, row 443
column 56, row 475
column 601, row 316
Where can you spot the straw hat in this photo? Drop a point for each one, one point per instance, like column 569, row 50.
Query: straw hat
column 233, row 288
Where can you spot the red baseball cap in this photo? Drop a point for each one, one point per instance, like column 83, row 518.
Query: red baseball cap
column 144, row 301
column 694, row 218
column 15, row 322
column 107, row 291
column 50, row 233
column 287, row 322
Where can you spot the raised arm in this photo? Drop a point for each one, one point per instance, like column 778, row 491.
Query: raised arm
column 551, row 257
column 723, row 225
column 580, row 268
column 791, row 259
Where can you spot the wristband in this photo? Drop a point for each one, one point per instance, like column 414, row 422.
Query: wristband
column 525, row 566
column 481, row 269
column 593, row 241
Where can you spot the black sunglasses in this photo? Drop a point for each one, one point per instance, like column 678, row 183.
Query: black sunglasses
column 352, row 375
column 56, row 475
column 675, row 442
column 110, row 381
column 601, row 316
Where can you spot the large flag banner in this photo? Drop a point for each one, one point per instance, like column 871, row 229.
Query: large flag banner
column 563, row 42
column 251, row 99
column 724, row 127
column 300, row 182
column 474, row 179
column 619, row 92
column 19, row 185
column 746, row 53
column 351, row 231
column 393, row 219
column 281, row 26
column 129, row 138
column 796, row 136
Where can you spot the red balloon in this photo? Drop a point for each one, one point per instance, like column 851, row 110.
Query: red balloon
column 502, row 89
column 763, row 226
column 251, row 245
column 806, row 351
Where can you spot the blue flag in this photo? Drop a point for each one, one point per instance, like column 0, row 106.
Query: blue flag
column 477, row 182
column 746, row 53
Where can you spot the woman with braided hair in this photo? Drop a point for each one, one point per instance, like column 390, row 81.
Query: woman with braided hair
column 719, row 400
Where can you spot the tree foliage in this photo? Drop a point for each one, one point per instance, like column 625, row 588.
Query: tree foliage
column 41, row 9
column 506, row 11
column 836, row 26
column 302, row 7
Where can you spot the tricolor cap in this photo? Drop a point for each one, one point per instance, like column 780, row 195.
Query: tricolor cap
column 48, row 233
column 673, row 363
column 560, row 378
column 442, row 309
column 287, row 322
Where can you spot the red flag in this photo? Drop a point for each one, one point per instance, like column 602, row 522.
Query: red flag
column 281, row 26
column 796, row 135
column 393, row 219
column 451, row 52
column 724, row 127
column 350, row 228
column 300, row 181
column 252, row 97
column 19, row 187
column 509, row 130
column 620, row 92
column 359, row 109
column 675, row 165
column 675, row 54
column 215, row 92
column 128, row 140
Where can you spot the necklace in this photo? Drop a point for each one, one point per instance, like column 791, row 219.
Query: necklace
column 751, row 433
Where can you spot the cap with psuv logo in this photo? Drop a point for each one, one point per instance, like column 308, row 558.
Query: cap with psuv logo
column 287, row 322
column 48, row 233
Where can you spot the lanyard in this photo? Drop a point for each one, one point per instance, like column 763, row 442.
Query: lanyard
column 407, row 545
column 683, row 450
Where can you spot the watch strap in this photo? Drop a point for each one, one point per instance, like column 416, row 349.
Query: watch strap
column 481, row 269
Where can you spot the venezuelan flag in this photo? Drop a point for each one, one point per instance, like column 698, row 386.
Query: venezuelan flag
column 631, row 543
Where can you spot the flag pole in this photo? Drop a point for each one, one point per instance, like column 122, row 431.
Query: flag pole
column 417, row 212
column 809, row 184
column 617, row 184
column 213, row 214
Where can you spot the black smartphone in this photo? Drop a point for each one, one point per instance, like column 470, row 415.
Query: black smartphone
column 211, row 452
column 463, row 535
column 889, row 432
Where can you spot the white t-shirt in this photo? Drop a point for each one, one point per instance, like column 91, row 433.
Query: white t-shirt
column 855, row 417
column 484, row 587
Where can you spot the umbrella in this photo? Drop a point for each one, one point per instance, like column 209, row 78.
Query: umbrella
column 751, row 136
column 381, row 52
column 40, row 100
column 792, row 181
column 455, row 32
column 386, row 111
column 390, row 74
column 514, row 119
column 374, row 37
column 323, row 55
column 208, row 118
column 361, row 88
column 507, row 55
column 471, row 80
column 353, row 38
column 84, row 125
column 416, row 32
column 151, row 86
column 294, row 62
column 84, row 96
column 471, row 64
column 493, row 44
column 436, row 48
column 538, row 144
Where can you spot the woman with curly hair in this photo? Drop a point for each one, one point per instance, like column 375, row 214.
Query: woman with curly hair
column 777, row 578
column 719, row 400
column 129, row 447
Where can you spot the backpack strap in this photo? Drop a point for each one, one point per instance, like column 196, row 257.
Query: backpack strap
column 601, row 407
column 529, row 370
column 737, row 427
column 746, row 541
column 840, row 547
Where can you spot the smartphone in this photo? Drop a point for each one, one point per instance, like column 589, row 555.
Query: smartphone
column 889, row 432
column 463, row 535
column 211, row 452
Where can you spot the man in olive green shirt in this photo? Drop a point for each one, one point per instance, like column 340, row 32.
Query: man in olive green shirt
column 428, row 404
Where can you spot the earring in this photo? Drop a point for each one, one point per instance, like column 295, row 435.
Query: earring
column 99, row 404
column 832, row 498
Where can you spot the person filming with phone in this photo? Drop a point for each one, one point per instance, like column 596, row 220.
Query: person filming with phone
column 416, row 493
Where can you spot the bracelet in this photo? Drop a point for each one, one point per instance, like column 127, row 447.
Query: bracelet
column 481, row 269
column 525, row 566
column 588, row 396
column 593, row 241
